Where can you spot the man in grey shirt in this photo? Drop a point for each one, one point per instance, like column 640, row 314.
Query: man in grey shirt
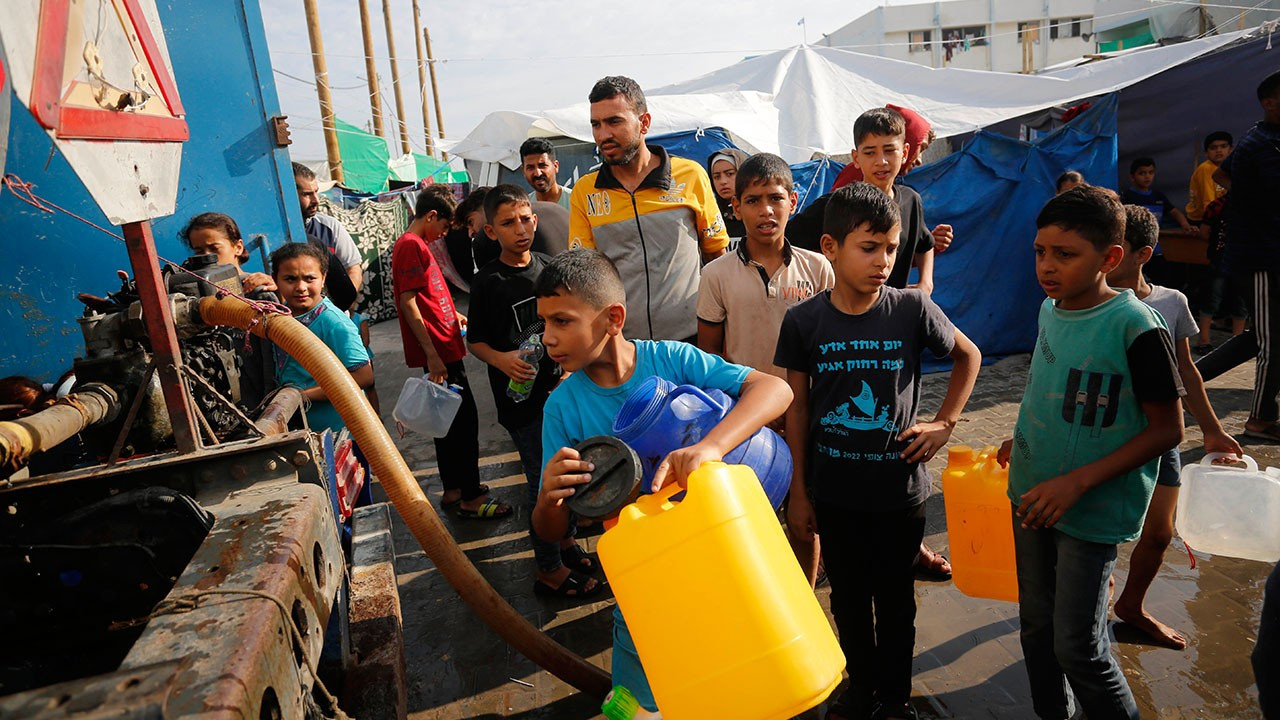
column 540, row 167
column 328, row 230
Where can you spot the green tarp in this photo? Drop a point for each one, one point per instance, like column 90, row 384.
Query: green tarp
column 366, row 162
column 364, row 158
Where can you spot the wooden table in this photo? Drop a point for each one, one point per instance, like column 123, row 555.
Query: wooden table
column 1181, row 246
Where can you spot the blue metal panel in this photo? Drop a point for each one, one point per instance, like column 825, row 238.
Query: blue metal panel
column 230, row 164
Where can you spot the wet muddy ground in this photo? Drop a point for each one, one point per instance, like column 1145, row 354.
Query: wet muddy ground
column 968, row 660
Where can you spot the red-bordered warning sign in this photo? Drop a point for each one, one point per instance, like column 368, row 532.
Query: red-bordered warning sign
column 61, row 106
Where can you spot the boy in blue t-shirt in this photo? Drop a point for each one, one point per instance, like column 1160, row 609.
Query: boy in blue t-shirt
column 582, row 301
column 1101, row 405
column 852, row 355
column 299, row 270
column 1141, row 192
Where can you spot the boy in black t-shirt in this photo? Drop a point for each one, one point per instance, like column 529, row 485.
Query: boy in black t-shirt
column 504, row 315
column 852, row 356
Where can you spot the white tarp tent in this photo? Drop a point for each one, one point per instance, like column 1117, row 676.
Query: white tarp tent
column 803, row 100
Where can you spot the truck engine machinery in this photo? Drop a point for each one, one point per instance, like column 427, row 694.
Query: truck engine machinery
column 171, row 584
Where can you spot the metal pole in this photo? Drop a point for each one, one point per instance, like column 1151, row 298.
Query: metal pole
column 371, row 69
column 422, row 81
column 322, row 91
column 159, row 324
column 395, row 79
column 435, row 88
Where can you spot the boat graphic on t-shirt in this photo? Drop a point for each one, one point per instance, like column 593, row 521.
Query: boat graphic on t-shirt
column 866, row 419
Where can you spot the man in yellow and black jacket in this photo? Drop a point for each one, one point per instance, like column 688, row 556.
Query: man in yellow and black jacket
column 653, row 215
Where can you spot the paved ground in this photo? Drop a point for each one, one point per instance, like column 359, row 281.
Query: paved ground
column 968, row 660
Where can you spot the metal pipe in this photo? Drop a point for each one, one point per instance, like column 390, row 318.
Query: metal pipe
column 404, row 491
column 275, row 418
column 157, row 317
column 89, row 405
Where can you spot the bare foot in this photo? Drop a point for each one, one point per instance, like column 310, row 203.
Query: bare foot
column 1142, row 620
column 451, row 497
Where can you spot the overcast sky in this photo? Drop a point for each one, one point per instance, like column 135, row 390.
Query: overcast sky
column 520, row 55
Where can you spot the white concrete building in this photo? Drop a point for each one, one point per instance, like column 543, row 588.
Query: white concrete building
column 1009, row 36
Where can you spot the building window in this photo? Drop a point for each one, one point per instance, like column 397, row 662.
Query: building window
column 965, row 37
column 1070, row 27
column 920, row 41
column 1031, row 27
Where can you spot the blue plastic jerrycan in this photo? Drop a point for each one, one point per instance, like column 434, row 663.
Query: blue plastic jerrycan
column 659, row 417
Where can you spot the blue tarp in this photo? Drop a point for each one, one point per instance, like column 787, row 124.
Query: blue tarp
column 991, row 192
column 696, row 145
column 812, row 179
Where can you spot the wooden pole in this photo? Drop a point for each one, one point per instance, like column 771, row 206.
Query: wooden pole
column 371, row 69
column 322, row 91
column 435, row 88
column 395, row 79
column 422, row 81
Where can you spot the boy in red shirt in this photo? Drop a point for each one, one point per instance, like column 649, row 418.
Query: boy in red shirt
column 431, row 330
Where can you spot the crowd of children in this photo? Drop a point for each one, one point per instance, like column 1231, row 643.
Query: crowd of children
column 817, row 334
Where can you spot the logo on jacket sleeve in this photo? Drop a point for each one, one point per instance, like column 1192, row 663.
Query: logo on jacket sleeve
column 673, row 195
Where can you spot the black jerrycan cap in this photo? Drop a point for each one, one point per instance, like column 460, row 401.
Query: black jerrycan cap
column 615, row 482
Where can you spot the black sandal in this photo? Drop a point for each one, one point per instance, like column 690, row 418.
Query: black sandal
column 573, row 587
column 575, row 558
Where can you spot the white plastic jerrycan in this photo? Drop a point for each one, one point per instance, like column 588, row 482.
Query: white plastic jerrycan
column 1229, row 510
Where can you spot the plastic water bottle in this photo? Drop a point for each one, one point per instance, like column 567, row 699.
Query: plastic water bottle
column 531, row 352
column 620, row 704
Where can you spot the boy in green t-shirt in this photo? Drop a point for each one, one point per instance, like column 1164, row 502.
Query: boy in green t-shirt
column 1101, row 405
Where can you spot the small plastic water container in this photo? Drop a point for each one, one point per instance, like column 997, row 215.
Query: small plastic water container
column 980, row 524
column 1228, row 510
column 722, row 616
column 426, row 407
column 658, row 417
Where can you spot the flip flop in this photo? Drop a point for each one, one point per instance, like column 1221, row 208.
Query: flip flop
column 490, row 510
column 575, row 558
column 484, row 490
column 574, row 587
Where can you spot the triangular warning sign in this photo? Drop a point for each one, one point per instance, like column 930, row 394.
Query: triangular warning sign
column 101, row 75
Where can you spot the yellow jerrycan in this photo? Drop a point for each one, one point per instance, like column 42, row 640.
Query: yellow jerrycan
column 980, row 524
column 721, row 614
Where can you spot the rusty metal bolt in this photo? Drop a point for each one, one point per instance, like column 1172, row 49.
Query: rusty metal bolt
column 271, row 465
column 300, row 458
